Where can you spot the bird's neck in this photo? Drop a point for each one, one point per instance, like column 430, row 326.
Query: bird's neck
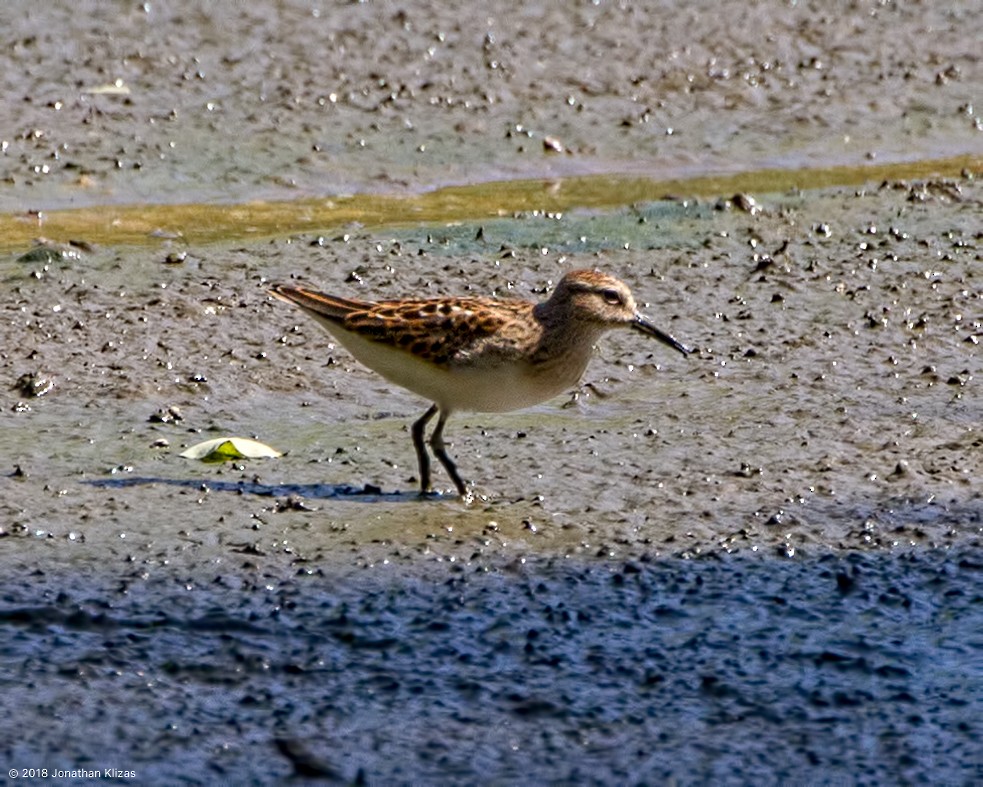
column 564, row 336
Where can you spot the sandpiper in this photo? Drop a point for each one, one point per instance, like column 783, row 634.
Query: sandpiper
column 478, row 354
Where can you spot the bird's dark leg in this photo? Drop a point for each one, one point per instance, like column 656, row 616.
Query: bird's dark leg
column 437, row 443
column 422, row 457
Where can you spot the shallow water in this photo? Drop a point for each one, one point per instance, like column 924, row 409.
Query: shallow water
column 758, row 564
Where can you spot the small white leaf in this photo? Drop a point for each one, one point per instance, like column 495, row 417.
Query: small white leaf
column 222, row 449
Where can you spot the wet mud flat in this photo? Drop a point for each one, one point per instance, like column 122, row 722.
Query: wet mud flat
column 760, row 563
column 858, row 668
column 178, row 101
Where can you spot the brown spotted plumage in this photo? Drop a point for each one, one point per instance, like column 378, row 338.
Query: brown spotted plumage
column 478, row 354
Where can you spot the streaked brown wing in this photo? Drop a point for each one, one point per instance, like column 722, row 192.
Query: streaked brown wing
column 438, row 329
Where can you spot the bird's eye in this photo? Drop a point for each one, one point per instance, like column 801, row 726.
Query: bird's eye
column 613, row 297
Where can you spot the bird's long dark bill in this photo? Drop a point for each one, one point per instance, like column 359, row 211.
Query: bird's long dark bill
column 643, row 325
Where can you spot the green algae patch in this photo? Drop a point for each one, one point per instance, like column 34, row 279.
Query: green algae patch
column 207, row 223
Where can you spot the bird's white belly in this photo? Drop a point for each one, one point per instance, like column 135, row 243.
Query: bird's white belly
column 486, row 388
